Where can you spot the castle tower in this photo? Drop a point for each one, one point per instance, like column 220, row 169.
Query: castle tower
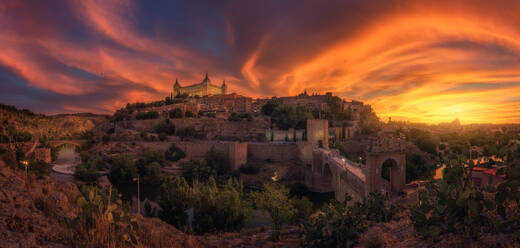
column 206, row 79
column 176, row 88
column 224, row 87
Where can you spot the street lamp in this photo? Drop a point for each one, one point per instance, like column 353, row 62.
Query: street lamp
column 138, row 197
column 26, row 164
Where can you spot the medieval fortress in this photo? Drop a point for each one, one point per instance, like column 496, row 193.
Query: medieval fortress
column 252, row 136
column 324, row 169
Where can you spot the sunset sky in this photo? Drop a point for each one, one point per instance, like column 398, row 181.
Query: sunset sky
column 424, row 61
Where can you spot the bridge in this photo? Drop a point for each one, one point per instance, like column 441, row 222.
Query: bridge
column 59, row 143
column 385, row 169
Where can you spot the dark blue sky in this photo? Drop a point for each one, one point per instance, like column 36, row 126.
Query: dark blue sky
column 415, row 60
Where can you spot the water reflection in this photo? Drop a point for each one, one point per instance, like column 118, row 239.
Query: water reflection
column 65, row 165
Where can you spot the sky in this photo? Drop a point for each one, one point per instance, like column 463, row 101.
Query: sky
column 421, row 61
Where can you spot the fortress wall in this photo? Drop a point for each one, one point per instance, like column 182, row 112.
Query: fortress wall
column 211, row 128
column 222, row 129
column 277, row 152
column 237, row 151
column 284, row 135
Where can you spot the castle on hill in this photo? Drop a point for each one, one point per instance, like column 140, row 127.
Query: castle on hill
column 201, row 89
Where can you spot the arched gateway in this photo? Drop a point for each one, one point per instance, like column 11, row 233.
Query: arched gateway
column 386, row 166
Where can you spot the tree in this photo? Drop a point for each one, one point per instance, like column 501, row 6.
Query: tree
column 214, row 208
column 274, row 199
column 418, row 168
column 176, row 113
column 268, row 108
column 165, row 127
column 174, row 153
column 123, row 169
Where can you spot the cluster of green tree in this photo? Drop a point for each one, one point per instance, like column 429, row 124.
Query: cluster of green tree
column 240, row 116
column 418, row 168
column 340, row 224
column 214, row 208
column 87, row 170
column 208, row 114
column 165, row 127
column 455, row 205
column 147, row 165
column 187, row 132
column 285, row 117
column 168, row 100
column 368, row 120
column 215, row 164
column 10, row 134
column 424, row 140
column 283, row 209
column 147, row 115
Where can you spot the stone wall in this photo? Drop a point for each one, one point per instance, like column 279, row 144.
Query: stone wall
column 211, row 128
column 273, row 151
column 284, row 135
column 236, row 151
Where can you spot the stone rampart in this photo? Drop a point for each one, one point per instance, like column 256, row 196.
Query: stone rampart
column 273, row 151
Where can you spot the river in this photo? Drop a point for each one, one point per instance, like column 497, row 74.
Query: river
column 65, row 165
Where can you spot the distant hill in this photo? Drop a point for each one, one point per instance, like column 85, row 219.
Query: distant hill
column 21, row 122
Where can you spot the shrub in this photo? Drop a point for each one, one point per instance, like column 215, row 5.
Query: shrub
column 103, row 221
column 187, row 132
column 455, row 205
column 189, row 114
column 275, row 201
column 336, row 226
column 249, row 169
column 176, row 113
column 147, row 115
column 174, row 153
column 163, row 137
column 214, row 208
column 123, row 169
column 165, row 127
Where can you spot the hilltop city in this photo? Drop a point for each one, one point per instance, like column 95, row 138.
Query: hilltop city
column 208, row 168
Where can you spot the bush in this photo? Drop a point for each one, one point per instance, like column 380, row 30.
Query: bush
column 234, row 117
column 102, row 221
column 187, row 132
column 455, row 205
column 147, row 115
column 249, row 169
column 275, row 201
column 336, row 226
column 174, row 153
column 418, row 168
column 189, row 114
column 163, row 137
column 214, row 209
column 176, row 113
column 123, row 169
column 165, row 127
column 87, row 170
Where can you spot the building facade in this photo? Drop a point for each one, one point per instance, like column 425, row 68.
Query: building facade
column 226, row 103
column 203, row 88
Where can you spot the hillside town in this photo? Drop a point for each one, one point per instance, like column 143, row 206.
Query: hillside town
column 315, row 149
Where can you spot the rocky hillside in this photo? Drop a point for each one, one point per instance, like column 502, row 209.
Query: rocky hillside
column 42, row 213
column 54, row 127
